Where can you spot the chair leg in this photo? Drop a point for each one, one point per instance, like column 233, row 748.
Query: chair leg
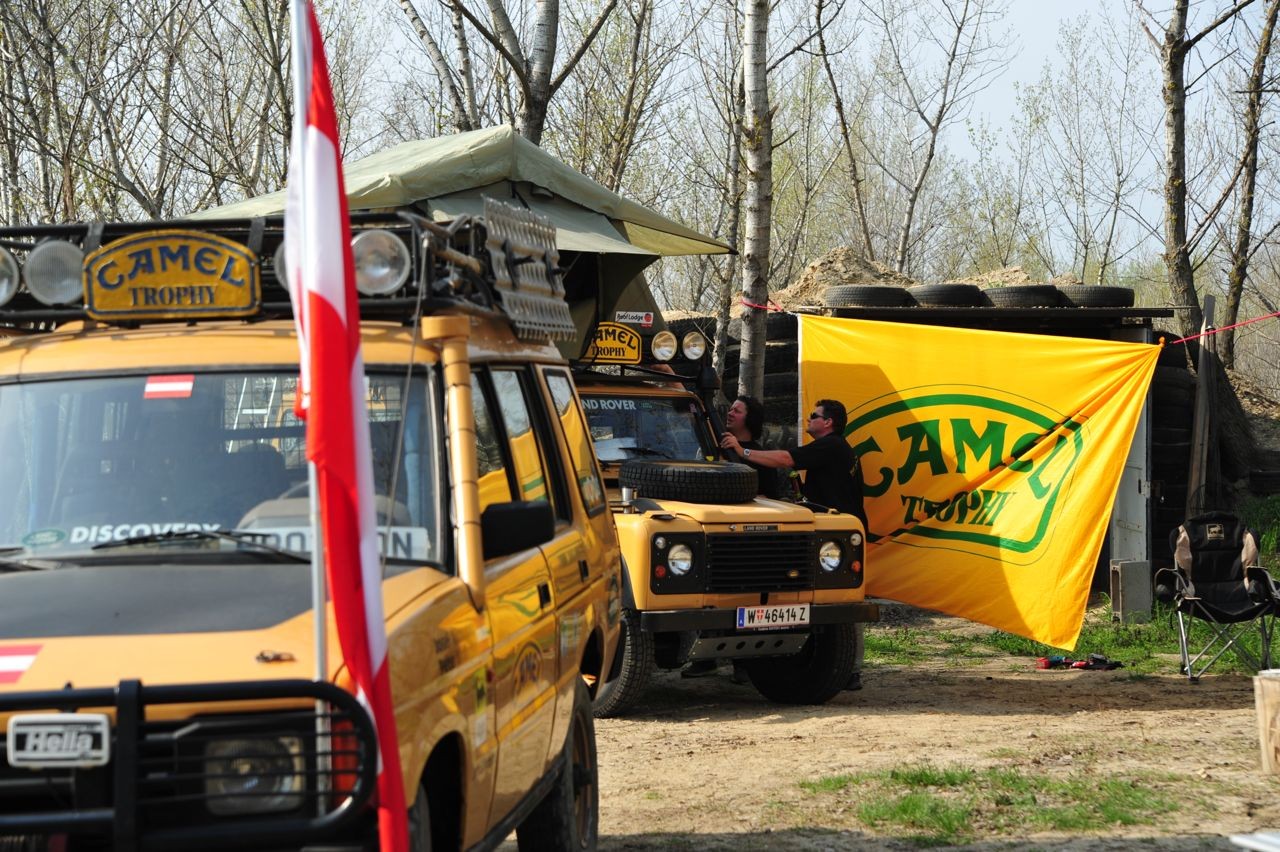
column 1224, row 637
column 1182, row 646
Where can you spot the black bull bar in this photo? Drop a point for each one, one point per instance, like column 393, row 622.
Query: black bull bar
column 143, row 798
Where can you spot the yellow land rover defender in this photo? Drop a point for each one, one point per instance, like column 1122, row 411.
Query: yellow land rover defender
column 711, row 570
column 163, row 685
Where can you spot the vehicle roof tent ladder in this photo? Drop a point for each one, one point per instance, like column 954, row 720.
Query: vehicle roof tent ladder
column 526, row 269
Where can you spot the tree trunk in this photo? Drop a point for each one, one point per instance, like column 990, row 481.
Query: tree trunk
column 1241, row 245
column 1177, row 254
column 733, row 203
column 758, row 141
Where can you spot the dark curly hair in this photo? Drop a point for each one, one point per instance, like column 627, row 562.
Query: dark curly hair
column 754, row 420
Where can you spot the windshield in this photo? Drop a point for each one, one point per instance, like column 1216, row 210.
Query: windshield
column 633, row 427
column 91, row 461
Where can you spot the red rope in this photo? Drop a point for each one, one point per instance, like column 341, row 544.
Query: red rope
column 1226, row 328
column 770, row 306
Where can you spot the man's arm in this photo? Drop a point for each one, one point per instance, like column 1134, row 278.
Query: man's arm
column 764, row 458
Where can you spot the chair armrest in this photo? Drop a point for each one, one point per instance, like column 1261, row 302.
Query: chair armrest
column 1170, row 584
column 1260, row 585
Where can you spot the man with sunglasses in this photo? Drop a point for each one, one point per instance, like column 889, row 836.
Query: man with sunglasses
column 833, row 477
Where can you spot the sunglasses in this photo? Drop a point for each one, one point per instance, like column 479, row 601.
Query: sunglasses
column 815, row 416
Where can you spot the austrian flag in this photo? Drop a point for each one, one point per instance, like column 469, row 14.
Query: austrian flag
column 15, row 660
column 322, row 288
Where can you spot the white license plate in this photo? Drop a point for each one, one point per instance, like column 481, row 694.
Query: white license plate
column 47, row 740
column 781, row 615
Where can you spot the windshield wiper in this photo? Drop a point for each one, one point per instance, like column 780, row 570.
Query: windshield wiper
column 647, row 451
column 8, row 566
column 236, row 536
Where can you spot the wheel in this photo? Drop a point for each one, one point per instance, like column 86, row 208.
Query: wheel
column 705, row 325
column 1096, row 296
column 569, row 816
column 635, row 655
column 1025, row 296
column 947, row 295
column 866, row 295
column 692, row 481
column 420, row 822
column 813, row 676
column 781, row 356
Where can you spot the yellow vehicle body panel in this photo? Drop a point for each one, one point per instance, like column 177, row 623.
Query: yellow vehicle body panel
column 498, row 680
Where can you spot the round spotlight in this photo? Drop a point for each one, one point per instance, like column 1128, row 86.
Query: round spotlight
column 280, row 266
column 693, row 346
column 663, row 346
column 9, row 277
column 54, row 271
column 382, row 262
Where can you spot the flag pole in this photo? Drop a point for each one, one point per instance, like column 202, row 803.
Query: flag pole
column 297, row 171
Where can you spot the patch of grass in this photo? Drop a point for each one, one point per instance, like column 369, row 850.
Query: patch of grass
column 936, row 805
column 1144, row 649
column 933, row 820
column 897, row 646
column 652, row 795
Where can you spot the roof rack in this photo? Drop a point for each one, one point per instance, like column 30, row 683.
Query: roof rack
column 504, row 264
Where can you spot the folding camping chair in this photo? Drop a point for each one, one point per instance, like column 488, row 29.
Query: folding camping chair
column 1217, row 580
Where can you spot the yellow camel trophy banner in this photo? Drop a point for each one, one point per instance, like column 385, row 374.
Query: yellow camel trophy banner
column 990, row 460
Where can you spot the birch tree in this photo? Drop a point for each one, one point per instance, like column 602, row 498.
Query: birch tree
column 757, row 143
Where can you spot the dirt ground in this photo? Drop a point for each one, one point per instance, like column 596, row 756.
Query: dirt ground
column 710, row 765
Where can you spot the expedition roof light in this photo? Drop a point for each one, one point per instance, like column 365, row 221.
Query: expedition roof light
column 693, row 345
column 8, row 276
column 663, row 346
column 53, row 272
column 381, row 260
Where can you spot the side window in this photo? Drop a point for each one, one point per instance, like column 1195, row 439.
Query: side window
column 579, row 440
column 495, row 485
column 531, row 478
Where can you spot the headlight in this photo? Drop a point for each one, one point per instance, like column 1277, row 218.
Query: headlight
column 254, row 775
column 829, row 556
column 381, row 261
column 680, row 560
column 855, row 538
column 54, row 271
column 8, row 277
column 663, row 346
column 693, row 345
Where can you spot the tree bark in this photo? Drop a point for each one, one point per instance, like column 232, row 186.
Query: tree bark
column 757, row 133
column 1241, row 245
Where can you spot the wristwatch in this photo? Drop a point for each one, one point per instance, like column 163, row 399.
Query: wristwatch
column 746, row 452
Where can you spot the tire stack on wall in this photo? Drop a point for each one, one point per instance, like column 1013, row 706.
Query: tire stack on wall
column 1173, row 397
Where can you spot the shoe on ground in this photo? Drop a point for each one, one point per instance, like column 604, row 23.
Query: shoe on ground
column 699, row 668
column 740, row 675
column 855, row 682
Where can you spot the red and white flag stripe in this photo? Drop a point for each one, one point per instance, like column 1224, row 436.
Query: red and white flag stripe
column 169, row 387
column 322, row 285
column 15, row 660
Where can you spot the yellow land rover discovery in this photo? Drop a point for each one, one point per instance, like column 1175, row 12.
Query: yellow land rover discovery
column 711, row 570
column 162, row 684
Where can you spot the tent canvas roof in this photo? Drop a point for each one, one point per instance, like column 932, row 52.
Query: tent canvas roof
column 449, row 175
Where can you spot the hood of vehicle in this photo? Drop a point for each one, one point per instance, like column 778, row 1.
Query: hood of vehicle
column 759, row 511
column 166, row 623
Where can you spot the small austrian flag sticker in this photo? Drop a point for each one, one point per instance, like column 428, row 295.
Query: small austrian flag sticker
column 16, row 659
column 169, row 387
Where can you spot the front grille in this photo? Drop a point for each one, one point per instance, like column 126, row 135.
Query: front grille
column 776, row 562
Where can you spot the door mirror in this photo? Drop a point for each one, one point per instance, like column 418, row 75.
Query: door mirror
column 507, row 528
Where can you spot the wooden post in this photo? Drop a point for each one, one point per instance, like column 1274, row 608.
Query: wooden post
column 1201, row 426
column 1266, row 693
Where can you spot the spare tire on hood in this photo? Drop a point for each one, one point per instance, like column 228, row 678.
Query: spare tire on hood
column 691, row 481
